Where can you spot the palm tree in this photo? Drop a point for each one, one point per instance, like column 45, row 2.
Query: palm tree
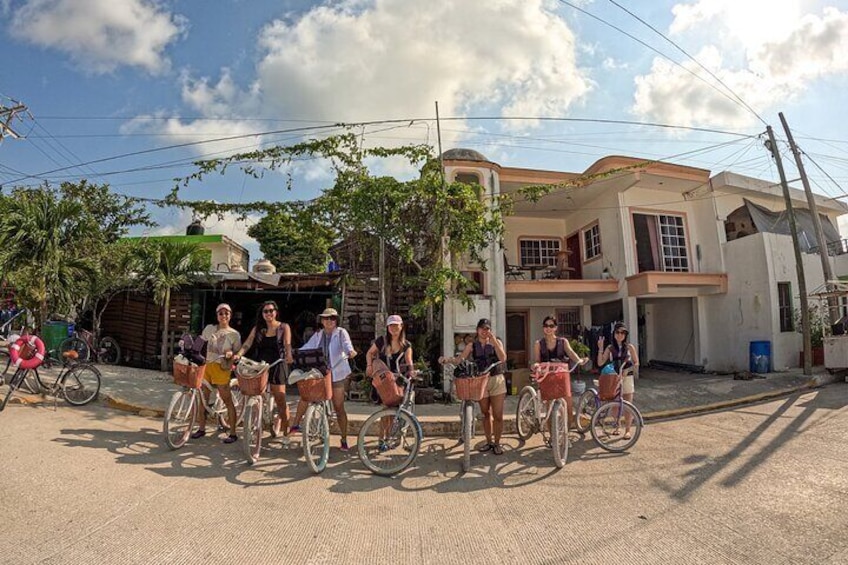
column 44, row 243
column 167, row 265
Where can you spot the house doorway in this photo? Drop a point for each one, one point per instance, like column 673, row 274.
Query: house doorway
column 575, row 258
column 516, row 338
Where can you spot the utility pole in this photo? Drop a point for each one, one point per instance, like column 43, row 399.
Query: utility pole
column 771, row 145
column 6, row 117
column 832, row 313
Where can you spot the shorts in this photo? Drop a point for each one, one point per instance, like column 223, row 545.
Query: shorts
column 217, row 375
column 496, row 386
column 628, row 385
column 277, row 376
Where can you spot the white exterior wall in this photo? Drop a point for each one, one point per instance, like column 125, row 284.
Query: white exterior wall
column 670, row 330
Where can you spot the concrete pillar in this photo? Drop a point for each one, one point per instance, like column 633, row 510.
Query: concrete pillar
column 631, row 320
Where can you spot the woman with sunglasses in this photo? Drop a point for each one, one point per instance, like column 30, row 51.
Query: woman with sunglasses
column 222, row 342
column 269, row 341
column 619, row 353
column 553, row 348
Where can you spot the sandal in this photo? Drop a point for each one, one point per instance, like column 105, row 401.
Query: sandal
column 198, row 434
column 626, row 435
column 486, row 447
column 230, row 439
column 497, row 449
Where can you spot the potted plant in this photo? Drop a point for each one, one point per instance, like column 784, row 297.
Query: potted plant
column 817, row 325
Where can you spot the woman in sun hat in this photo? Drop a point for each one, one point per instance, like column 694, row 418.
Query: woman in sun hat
column 619, row 353
column 223, row 341
column 335, row 342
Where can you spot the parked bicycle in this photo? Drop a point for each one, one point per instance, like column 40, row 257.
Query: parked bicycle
column 546, row 411
column 259, row 406
column 470, row 386
column 89, row 348
column 390, row 438
column 182, row 411
column 603, row 410
column 77, row 382
column 315, row 386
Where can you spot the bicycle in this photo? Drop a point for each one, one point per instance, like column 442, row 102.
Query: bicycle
column 390, row 438
column 104, row 350
column 546, row 411
column 470, row 389
column 181, row 414
column 315, row 386
column 259, row 407
column 600, row 412
column 77, row 382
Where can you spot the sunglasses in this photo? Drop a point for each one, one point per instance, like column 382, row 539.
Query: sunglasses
column 550, row 325
column 331, row 318
column 271, row 311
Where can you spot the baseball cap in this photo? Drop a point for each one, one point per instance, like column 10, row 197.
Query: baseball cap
column 484, row 323
column 394, row 319
column 223, row 306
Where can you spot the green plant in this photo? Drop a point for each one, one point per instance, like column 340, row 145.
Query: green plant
column 579, row 347
column 818, row 319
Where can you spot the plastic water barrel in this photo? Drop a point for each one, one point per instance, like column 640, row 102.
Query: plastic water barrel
column 759, row 355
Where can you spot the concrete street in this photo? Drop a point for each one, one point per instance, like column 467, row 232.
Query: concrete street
column 763, row 483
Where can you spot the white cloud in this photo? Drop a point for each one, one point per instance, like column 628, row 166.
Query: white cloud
column 773, row 55
column 358, row 60
column 101, row 35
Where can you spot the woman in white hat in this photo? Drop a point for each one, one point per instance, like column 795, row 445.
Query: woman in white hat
column 222, row 341
column 335, row 342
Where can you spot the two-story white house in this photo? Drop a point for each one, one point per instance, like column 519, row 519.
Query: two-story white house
column 697, row 266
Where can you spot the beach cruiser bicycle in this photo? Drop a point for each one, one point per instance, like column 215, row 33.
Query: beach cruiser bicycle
column 259, row 405
column 183, row 409
column 470, row 383
column 602, row 412
column 390, row 439
column 103, row 350
column 77, row 382
column 315, row 385
column 546, row 411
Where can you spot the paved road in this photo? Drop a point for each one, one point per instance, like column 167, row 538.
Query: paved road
column 758, row 484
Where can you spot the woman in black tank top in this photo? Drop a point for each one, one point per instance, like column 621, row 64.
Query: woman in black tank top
column 553, row 348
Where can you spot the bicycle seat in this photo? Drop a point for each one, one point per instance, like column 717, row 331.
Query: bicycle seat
column 71, row 354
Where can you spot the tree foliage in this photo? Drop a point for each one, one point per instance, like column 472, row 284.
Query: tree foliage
column 294, row 238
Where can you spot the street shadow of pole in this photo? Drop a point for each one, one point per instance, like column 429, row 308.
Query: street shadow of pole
column 712, row 466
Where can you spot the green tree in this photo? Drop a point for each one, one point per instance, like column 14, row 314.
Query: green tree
column 294, row 238
column 44, row 248
column 167, row 265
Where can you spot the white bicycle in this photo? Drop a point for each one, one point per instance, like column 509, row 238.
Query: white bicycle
column 259, row 406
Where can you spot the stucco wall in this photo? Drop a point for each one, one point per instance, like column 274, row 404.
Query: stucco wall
column 670, row 331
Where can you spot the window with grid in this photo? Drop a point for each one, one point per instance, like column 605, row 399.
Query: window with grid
column 784, row 306
column 592, row 242
column 673, row 244
column 539, row 251
column 568, row 319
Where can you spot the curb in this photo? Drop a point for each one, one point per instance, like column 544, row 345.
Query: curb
column 433, row 426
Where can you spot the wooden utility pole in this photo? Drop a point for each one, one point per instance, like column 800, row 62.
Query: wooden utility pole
column 832, row 313
column 799, row 265
column 6, row 117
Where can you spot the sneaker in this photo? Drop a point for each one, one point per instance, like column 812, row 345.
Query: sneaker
column 294, row 429
column 198, row 434
column 344, row 446
column 383, row 446
column 230, row 439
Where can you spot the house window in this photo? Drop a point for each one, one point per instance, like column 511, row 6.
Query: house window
column 538, row 251
column 661, row 243
column 784, row 307
column 592, row 242
column 568, row 322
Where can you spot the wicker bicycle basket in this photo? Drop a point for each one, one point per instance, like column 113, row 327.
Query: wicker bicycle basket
column 555, row 384
column 609, row 386
column 391, row 393
column 252, row 385
column 190, row 376
column 471, row 388
column 316, row 390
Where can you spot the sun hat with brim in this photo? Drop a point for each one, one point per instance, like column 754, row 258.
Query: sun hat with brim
column 223, row 307
column 329, row 313
column 394, row 319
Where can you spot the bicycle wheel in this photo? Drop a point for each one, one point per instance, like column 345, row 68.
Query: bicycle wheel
column 31, row 383
column 74, row 344
column 609, row 426
column 5, row 360
column 13, row 384
column 525, row 413
column 559, row 432
column 389, row 441
column 467, row 433
column 179, row 418
column 81, row 384
column 252, row 435
column 316, row 437
column 275, row 424
column 586, row 407
column 109, row 352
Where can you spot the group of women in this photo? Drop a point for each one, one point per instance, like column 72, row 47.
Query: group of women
column 270, row 340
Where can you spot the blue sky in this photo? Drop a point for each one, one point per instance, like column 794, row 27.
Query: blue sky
column 104, row 79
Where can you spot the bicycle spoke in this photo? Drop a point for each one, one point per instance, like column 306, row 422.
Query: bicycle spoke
column 389, row 441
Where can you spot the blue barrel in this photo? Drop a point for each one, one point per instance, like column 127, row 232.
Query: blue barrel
column 759, row 355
